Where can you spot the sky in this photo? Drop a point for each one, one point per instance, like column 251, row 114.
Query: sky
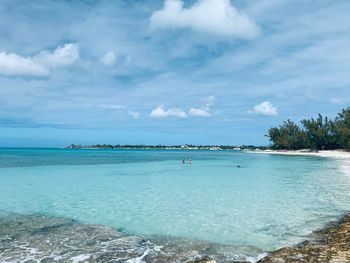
column 168, row 71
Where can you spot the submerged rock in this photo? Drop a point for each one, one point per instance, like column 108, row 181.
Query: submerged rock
column 36, row 238
column 331, row 244
column 33, row 238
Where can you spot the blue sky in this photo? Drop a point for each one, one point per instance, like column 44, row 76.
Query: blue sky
column 168, row 72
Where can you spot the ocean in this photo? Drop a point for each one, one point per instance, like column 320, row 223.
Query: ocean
column 146, row 205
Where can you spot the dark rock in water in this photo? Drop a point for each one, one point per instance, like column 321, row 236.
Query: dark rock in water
column 47, row 260
column 331, row 244
column 53, row 239
column 33, row 238
column 207, row 259
column 45, row 239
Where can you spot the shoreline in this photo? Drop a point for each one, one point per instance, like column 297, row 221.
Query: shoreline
column 50, row 239
column 328, row 244
column 339, row 154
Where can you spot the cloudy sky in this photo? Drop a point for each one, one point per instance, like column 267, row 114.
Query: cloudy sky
column 168, row 71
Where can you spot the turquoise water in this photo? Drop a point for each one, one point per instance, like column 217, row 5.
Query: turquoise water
column 271, row 201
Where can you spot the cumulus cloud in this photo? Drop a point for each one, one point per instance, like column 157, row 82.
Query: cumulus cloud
column 61, row 56
column 40, row 65
column 12, row 64
column 205, row 109
column 202, row 111
column 265, row 108
column 199, row 112
column 160, row 112
column 109, row 58
column 216, row 17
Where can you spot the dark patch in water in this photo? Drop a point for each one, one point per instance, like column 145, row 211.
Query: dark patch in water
column 37, row 238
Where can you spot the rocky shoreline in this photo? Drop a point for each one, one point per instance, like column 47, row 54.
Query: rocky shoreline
column 45, row 239
column 330, row 244
column 22, row 238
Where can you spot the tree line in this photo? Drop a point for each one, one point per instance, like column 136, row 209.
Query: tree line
column 320, row 133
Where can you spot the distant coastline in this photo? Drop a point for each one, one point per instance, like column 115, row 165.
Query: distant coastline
column 168, row 147
column 337, row 153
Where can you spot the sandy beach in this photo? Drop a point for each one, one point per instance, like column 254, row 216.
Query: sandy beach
column 331, row 154
column 344, row 156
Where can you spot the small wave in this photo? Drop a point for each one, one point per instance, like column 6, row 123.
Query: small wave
column 80, row 258
column 139, row 259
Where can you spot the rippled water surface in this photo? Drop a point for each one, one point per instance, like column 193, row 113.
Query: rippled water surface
column 269, row 202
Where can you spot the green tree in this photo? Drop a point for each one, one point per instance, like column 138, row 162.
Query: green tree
column 320, row 133
column 342, row 128
column 287, row 136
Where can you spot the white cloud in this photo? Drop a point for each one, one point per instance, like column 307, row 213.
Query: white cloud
column 204, row 110
column 265, row 108
column 217, row 17
column 134, row 114
column 12, row 64
column 40, row 65
column 160, row 112
column 199, row 112
column 61, row 56
column 109, row 58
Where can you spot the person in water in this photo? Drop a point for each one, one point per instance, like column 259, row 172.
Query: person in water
column 190, row 161
column 238, row 166
column 183, row 161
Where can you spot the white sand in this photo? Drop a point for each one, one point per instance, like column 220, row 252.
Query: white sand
column 338, row 154
column 333, row 154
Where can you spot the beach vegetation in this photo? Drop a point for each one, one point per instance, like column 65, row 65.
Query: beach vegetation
column 320, row 133
column 287, row 136
column 342, row 128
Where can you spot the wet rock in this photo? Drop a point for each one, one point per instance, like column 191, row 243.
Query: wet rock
column 331, row 244
column 51, row 239
column 47, row 260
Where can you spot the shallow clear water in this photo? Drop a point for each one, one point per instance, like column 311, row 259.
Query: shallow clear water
column 269, row 202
